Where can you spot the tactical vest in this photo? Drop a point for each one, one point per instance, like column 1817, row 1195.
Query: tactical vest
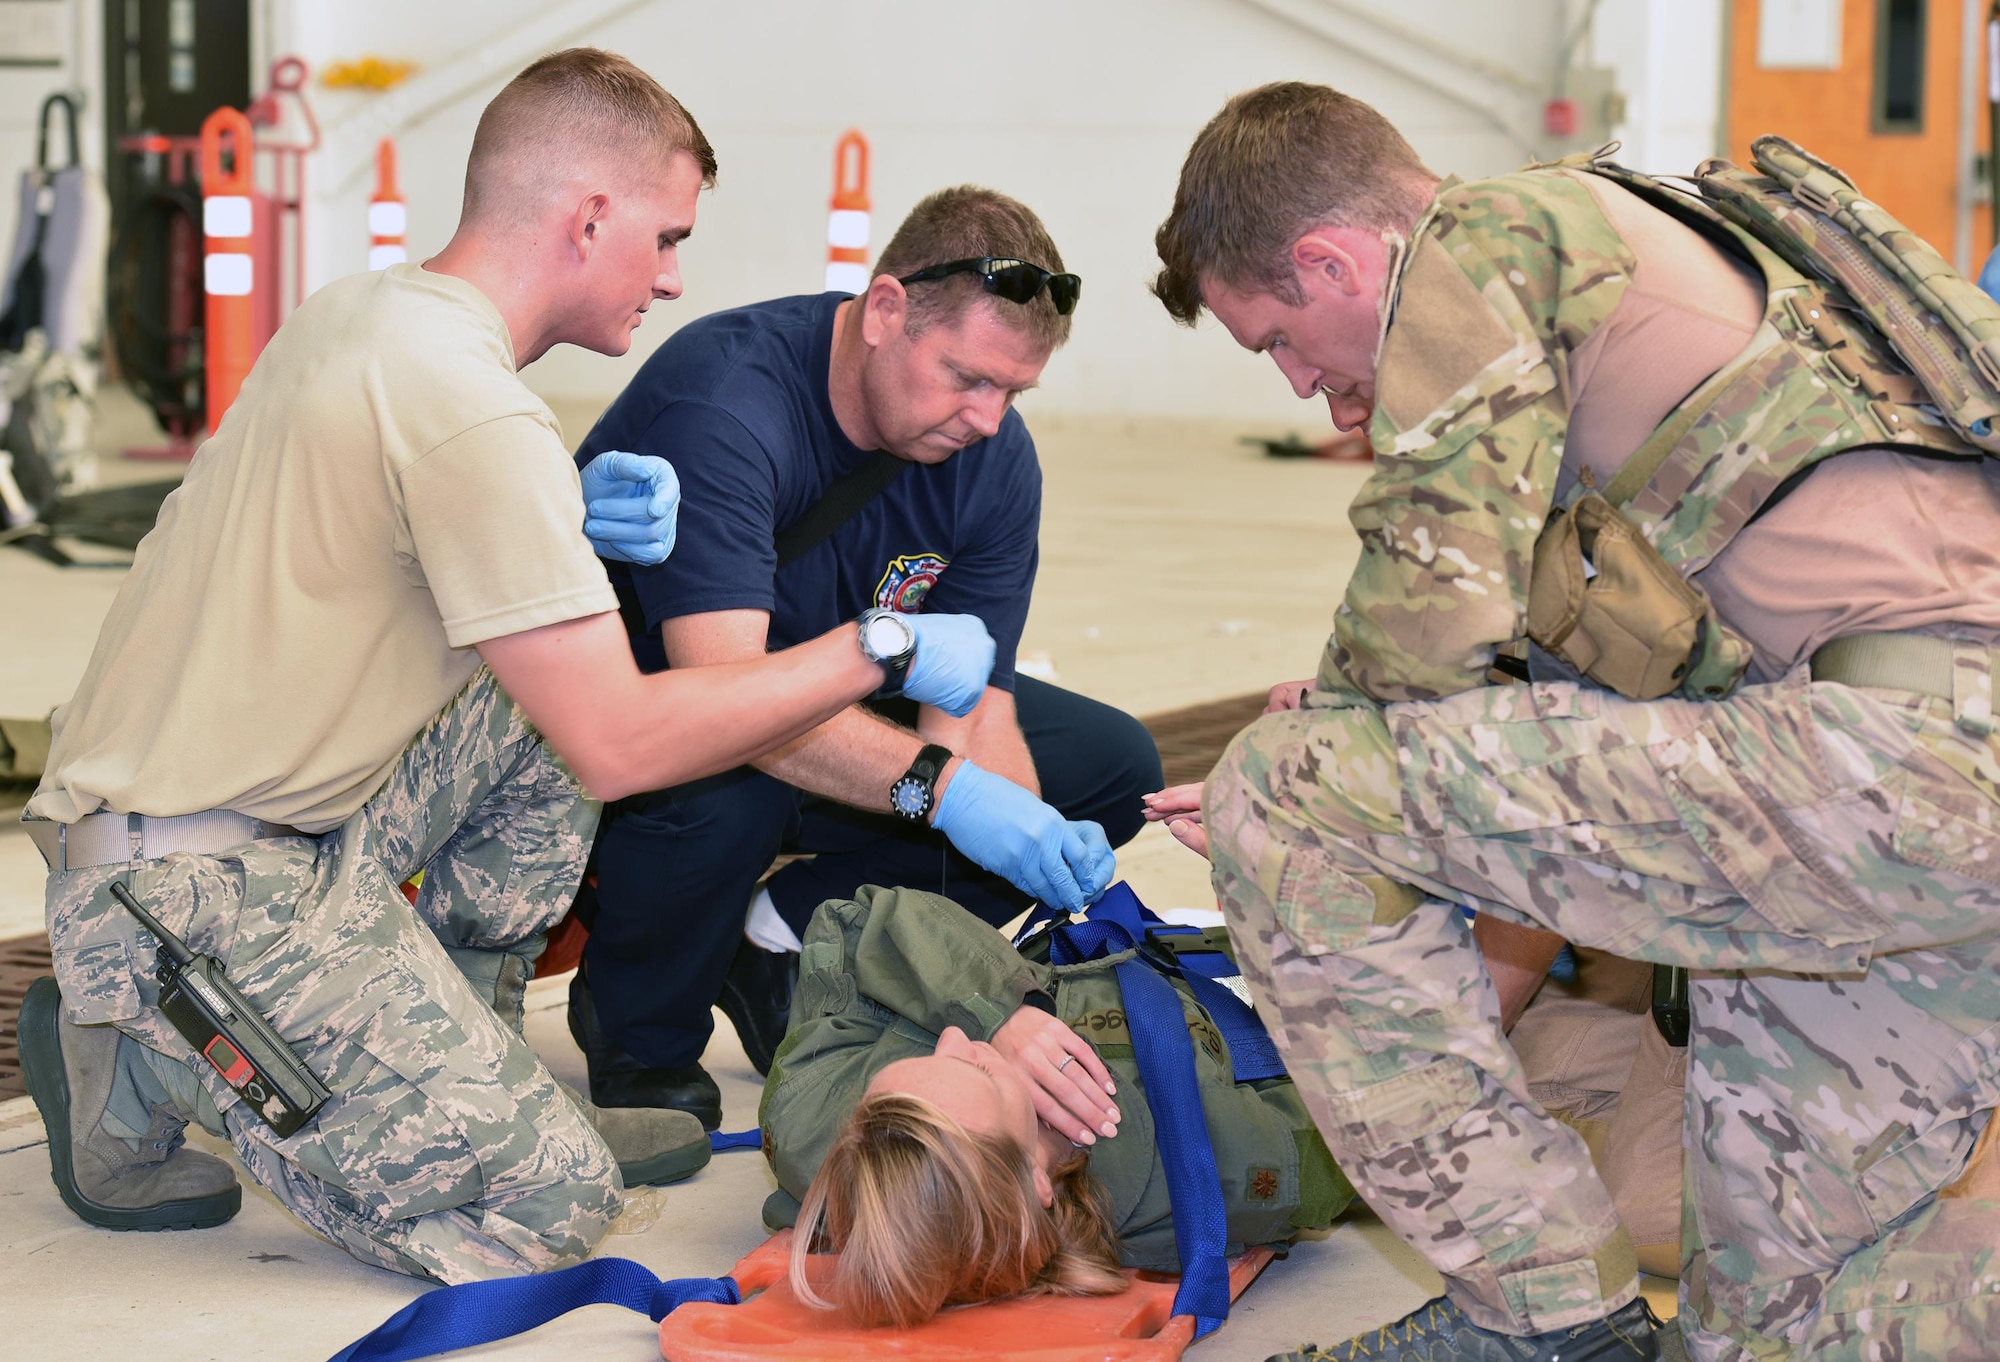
column 1818, row 378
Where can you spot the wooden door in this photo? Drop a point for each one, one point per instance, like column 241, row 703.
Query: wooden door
column 1872, row 86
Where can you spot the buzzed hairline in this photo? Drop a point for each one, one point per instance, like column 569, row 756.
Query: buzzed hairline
column 568, row 119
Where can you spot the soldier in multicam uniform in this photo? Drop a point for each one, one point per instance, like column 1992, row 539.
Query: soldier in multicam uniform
column 369, row 638
column 1821, row 843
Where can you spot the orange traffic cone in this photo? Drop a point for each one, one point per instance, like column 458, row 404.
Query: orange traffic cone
column 847, row 224
column 388, row 219
column 229, row 273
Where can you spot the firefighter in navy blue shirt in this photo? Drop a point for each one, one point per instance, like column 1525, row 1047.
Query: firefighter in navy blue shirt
column 761, row 410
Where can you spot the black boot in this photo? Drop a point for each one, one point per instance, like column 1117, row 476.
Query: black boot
column 1440, row 1332
column 757, row 998
column 619, row 1080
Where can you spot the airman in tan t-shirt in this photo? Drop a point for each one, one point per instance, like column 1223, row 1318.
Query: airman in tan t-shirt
column 369, row 638
column 385, row 494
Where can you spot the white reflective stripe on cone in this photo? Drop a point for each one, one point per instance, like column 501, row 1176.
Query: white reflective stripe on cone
column 227, row 274
column 387, row 217
column 381, row 257
column 844, row 276
column 847, row 227
column 225, row 215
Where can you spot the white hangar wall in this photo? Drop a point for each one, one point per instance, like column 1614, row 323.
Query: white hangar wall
column 1082, row 109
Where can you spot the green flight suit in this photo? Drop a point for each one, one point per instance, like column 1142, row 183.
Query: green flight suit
column 884, row 973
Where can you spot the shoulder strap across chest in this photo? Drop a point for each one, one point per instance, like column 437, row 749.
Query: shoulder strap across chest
column 838, row 505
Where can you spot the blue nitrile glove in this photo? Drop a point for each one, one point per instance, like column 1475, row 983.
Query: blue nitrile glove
column 631, row 504
column 954, row 658
column 1101, row 866
column 1018, row 837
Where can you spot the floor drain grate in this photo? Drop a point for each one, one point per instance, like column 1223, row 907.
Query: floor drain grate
column 21, row 963
column 1190, row 741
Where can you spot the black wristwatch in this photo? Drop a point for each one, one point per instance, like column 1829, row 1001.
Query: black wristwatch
column 915, row 791
column 888, row 640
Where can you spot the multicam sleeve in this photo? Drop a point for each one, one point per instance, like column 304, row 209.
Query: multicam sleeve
column 1504, row 278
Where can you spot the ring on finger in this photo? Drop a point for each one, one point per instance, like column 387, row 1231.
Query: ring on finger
column 1066, row 1062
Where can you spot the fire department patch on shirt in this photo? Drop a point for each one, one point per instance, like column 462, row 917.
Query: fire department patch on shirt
column 908, row 580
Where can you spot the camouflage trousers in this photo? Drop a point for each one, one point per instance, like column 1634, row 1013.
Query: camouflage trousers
column 1827, row 858
column 448, row 1150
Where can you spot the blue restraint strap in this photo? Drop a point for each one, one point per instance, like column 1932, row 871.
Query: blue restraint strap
column 467, row 1315
column 1165, row 1054
column 722, row 1141
column 1118, row 922
column 1194, row 1188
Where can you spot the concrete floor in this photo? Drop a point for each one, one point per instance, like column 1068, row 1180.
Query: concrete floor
column 1177, row 566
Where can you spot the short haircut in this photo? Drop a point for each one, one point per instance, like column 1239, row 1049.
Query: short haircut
column 575, row 106
column 963, row 224
column 1277, row 162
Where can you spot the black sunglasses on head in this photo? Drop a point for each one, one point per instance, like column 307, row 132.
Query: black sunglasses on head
column 1015, row 280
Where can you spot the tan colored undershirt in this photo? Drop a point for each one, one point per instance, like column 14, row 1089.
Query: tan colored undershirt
column 1875, row 541
column 1688, row 309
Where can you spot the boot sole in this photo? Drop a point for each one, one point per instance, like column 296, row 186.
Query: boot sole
column 48, row 1083
column 672, row 1166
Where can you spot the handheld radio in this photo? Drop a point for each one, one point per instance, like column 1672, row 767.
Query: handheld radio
column 212, row 1015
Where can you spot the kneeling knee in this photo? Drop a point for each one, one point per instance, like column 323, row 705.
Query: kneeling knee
column 566, row 1211
column 1335, row 770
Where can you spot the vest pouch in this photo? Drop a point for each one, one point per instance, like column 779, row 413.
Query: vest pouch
column 1602, row 599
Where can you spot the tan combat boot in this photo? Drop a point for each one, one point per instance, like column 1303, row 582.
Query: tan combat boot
column 653, row 1145
column 152, row 1183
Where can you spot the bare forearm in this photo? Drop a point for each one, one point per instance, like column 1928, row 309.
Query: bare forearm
column 989, row 736
column 856, row 755
column 622, row 732
column 1002, row 750
column 853, row 757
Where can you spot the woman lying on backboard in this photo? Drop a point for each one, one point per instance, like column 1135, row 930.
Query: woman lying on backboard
column 962, row 1121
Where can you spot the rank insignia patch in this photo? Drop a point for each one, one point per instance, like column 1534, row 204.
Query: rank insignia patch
column 1263, row 1184
column 908, row 579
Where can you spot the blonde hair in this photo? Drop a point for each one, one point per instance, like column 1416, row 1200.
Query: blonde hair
column 926, row 1214
column 579, row 103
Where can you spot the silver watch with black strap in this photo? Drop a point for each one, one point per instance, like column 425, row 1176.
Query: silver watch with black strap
column 889, row 641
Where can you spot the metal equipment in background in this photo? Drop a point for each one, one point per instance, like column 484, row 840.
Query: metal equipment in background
column 50, row 342
column 207, row 261
column 163, row 313
column 168, row 64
